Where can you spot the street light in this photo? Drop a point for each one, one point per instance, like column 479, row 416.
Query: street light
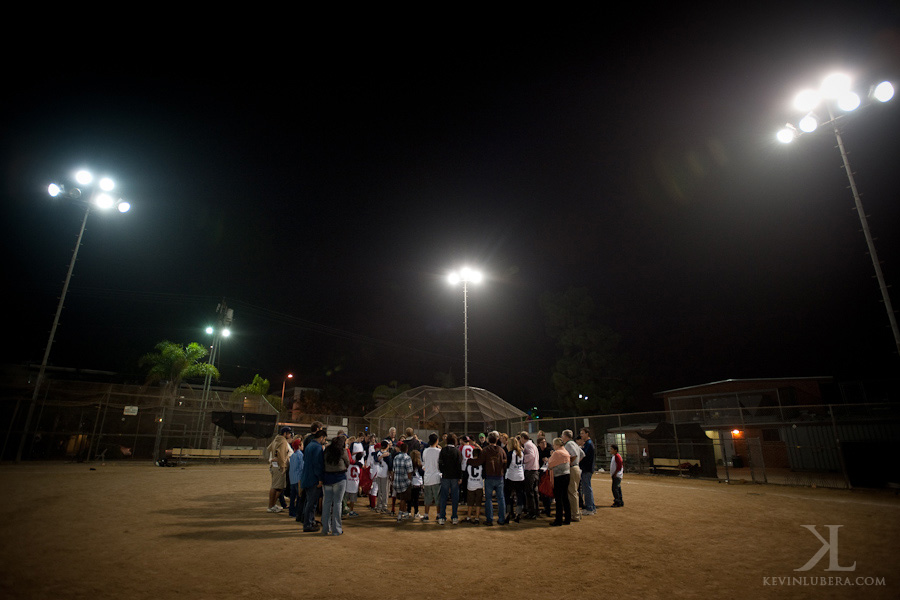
column 283, row 385
column 836, row 91
column 97, row 196
column 465, row 275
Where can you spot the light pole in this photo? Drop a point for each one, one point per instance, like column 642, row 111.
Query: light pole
column 99, row 196
column 225, row 318
column 465, row 275
column 283, row 385
column 836, row 92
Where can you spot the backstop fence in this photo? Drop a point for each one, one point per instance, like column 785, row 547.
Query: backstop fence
column 828, row 445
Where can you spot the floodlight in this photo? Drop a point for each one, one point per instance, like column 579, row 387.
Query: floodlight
column 124, row 206
column 883, row 92
column 104, row 201
column 785, row 136
column 84, row 177
column 806, row 100
column 54, row 190
column 835, row 85
column 106, row 184
column 848, row 101
column 808, row 123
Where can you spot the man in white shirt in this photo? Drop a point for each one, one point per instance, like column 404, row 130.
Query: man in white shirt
column 432, row 480
column 575, row 456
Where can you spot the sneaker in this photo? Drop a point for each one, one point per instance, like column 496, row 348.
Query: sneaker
column 424, row 518
column 455, row 521
column 441, row 521
column 275, row 509
column 353, row 513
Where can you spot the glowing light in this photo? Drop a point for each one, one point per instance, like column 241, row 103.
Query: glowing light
column 785, row 136
column 848, row 101
column 104, row 201
column 54, row 190
column 806, row 100
column 883, row 92
column 84, row 177
column 209, row 330
column 835, row 85
column 123, row 206
column 106, row 184
column 808, row 123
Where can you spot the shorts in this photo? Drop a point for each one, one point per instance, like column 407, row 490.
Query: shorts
column 475, row 497
column 405, row 495
column 279, row 478
column 432, row 494
column 349, row 497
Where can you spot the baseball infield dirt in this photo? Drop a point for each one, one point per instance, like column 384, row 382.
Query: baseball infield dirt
column 132, row 530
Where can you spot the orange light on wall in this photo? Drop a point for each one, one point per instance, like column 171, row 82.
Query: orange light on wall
column 736, row 433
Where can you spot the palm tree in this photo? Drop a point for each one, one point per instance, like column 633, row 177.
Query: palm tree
column 173, row 363
column 170, row 365
column 259, row 387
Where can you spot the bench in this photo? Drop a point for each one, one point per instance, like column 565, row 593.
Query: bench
column 684, row 465
column 205, row 453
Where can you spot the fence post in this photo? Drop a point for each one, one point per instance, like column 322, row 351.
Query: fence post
column 840, row 452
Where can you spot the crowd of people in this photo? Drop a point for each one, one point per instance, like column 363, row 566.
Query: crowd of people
column 404, row 477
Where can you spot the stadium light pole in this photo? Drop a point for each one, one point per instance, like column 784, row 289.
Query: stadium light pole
column 99, row 196
column 836, row 92
column 465, row 275
column 221, row 330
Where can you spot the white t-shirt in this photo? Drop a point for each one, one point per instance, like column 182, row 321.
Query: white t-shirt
column 416, row 479
column 476, row 478
column 430, row 464
column 466, row 452
column 515, row 471
column 353, row 479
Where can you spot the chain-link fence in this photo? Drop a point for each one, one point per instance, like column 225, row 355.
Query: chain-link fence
column 829, row 445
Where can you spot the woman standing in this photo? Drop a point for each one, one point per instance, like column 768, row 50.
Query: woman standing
column 334, row 482
column 559, row 471
column 515, row 479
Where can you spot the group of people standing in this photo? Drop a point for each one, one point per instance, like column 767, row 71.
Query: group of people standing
column 449, row 470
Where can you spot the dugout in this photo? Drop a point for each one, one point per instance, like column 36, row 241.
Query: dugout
column 670, row 446
column 428, row 408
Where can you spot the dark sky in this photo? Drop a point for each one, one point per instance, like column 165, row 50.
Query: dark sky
column 323, row 176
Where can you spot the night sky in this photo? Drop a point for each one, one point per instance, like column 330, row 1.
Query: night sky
column 323, row 177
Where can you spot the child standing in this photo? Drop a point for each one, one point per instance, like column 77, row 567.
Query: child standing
column 474, row 488
column 416, row 482
column 353, row 484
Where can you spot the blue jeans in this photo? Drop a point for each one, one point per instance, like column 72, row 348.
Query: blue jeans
column 492, row 484
column 309, row 507
column 331, row 507
column 449, row 487
column 587, row 491
column 295, row 507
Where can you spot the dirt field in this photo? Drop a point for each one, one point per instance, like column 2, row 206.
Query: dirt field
column 138, row 531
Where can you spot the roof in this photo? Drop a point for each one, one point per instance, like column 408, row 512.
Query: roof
column 744, row 383
column 450, row 404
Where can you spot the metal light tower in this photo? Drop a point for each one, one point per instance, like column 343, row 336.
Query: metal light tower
column 465, row 275
column 836, row 91
column 100, row 197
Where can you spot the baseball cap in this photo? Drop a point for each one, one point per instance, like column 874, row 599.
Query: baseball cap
column 286, row 429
